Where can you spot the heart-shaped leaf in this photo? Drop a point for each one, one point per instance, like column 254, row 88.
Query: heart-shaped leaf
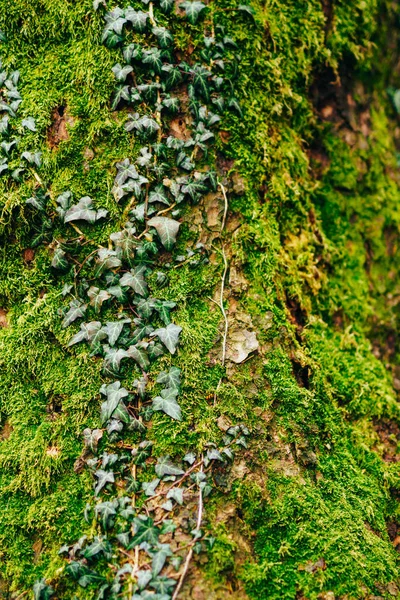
column 167, row 230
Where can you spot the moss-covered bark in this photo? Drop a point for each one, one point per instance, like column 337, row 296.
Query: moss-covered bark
column 310, row 509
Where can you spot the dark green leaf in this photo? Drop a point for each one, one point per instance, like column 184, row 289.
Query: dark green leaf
column 139, row 355
column 103, row 477
column 149, row 487
column 171, row 378
column 246, row 9
column 167, row 230
column 163, row 585
column 112, row 359
column 169, row 336
column 97, row 297
column 192, row 10
column 138, row 18
column 42, row 591
column 163, row 36
column 145, row 531
column 167, row 403
column 76, row 311
column 59, row 261
column 159, row 558
column 159, row 194
column 174, row 76
column 152, row 58
column 135, row 279
column 98, row 546
column 121, row 73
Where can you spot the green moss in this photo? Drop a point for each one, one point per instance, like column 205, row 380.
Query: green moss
column 317, row 243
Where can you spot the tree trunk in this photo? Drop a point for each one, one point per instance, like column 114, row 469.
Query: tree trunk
column 235, row 268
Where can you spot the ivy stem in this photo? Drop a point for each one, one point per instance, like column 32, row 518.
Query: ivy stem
column 151, row 15
column 225, row 206
column 190, row 553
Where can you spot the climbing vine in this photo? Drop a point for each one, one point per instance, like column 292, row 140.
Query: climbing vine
column 140, row 543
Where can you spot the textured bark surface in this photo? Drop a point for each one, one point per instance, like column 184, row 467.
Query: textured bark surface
column 311, row 288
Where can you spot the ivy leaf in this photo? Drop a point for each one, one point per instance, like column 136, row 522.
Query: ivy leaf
column 59, row 261
column 139, row 355
column 110, row 406
column 143, row 578
column 33, row 158
column 97, row 297
column 91, row 438
column 122, row 93
column 121, row 73
column 131, row 52
column 166, row 5
column 125, row 242
column 190, row 457
column 152, row 57
column 142, row 330
column 88, row 331
column 167, row 230
column 149, row 487
column 106, row 510
column 159, row 558
column 171, row 104
column 176, row 494
column 118, row 292
column 103, row 477
column 83, row 211
column 165, row 466
column 192, row 10
column 200, row 80
column 167, row 403
column 107, row 259
column 169, row 336
column 42, row 591
column 76, row 311
column 135, row 280
column 145, row 531
column 115, row 20
column 174, row 76
column 125, row 171
column 145, row 157
column 29, row 123
column 164, row 307
column 112, row 359
column 138, row 18
column 171, row 378
column 98, row 546
column 233, row 103
column 163, row 36
column 246, row 9
column 124, row 538
column 159, row 194
column 194, row 189
column 113, row 330
column 142, row 452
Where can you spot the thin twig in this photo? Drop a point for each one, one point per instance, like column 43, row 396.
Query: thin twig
column 225, row 206
column 190, row 553
column 221, row 304
column 86, row 259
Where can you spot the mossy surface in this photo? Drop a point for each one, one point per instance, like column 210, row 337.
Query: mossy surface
column 317, row 245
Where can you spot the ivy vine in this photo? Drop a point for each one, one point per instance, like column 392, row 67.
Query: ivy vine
column 133, row 549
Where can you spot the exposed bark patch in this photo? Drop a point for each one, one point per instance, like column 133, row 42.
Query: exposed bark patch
column 6, row 431
column 389, row 435
column 58, row 131
column 298, row 315
column 302, row 374
column 3, row 318
column 28, row 255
